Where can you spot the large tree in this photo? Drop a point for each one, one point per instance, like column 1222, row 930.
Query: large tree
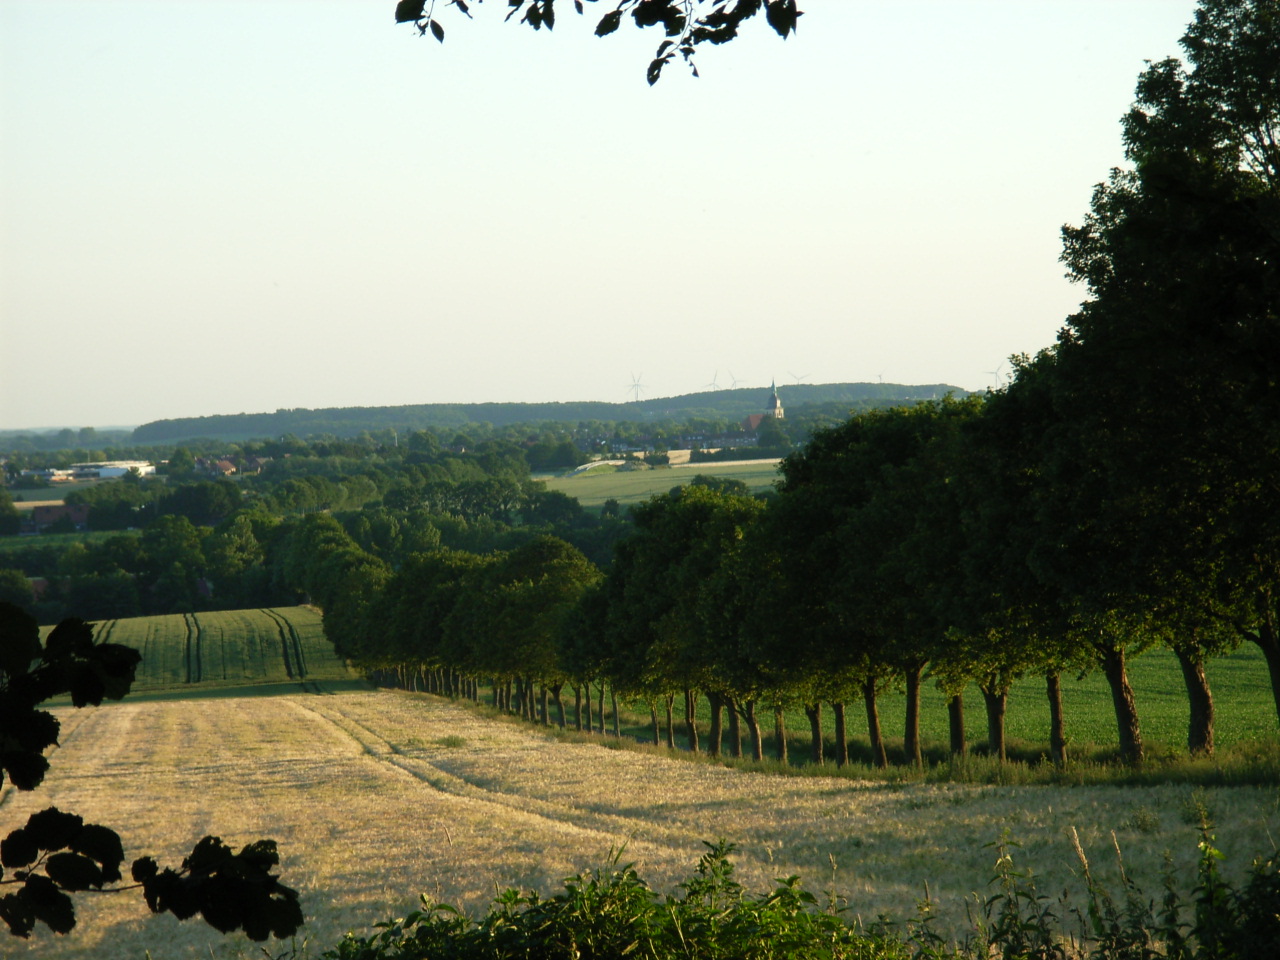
column 1164, row 382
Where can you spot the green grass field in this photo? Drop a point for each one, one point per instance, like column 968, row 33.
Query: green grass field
column 593, row 487
column 16, row 544
column 221, row 653
column 1244, row 711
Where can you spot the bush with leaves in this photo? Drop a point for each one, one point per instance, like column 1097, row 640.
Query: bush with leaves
column 56, row 853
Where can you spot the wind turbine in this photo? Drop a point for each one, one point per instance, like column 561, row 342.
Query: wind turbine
column 996, row 373
column 635, row 388
column 713, row 385
column 798, row 378
column 733, row 381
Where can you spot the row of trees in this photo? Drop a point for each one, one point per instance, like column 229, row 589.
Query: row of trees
column 1119, row 493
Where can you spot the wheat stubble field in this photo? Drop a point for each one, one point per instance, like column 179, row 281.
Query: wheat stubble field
column 377, row 796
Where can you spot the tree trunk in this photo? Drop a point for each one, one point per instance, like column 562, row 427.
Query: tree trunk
column 842, row 737
column 586, row 705
column 873, row 723
column 691, row 718
column 1267, row 639
column 814, row 712
column 1200, row 727
column 715, row 736
column 613, row 702
column 1057, row 727
column 780, row 734
column 577, row 708
column 735, row 727
column 556, row 699
column 601, row 704
column 545, row 704
column 1126, row 709
column 955, row 725
column 671, row 721
column 653, row 717
column 911, row 737
column 497, row 693
column 995, row 700
column 753, row 727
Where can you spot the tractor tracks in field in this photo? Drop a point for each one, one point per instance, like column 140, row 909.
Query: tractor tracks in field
column 192, row 653
column 295, row 661
column 611, row 827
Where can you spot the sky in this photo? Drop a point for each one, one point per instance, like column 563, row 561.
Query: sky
column 248, row 205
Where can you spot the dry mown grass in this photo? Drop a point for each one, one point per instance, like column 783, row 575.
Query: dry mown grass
column 377, row 796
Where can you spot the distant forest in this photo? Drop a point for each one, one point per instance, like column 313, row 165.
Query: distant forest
column 351, row 421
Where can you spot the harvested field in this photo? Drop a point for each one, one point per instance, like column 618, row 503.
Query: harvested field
column 377, row 796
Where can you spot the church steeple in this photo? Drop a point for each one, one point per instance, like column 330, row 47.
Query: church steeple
column 774, row 407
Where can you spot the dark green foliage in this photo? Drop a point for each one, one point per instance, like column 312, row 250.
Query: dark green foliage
column 612, row 912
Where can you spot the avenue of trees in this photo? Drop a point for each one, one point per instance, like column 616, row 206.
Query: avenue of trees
column 1120, row 493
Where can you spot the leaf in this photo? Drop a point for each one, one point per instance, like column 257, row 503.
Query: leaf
column 73, row 871
column 71, row 637
column 409, row 10
column 33, row 730
column 655, row 70
column 86, row 685
column 144, row 869
column 50, row 905
column 577, row 5
column 462, row 5
column 19, row 640
column 782, row 16
column 437, row 31
column 609, row 23
column 26, row 769
column 103, row 845
column 208, row 855
column 18, row 849
column 51, row 829
column 261, row 854
column 16, row 911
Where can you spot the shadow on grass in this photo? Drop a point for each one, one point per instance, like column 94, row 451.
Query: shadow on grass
column 206, row 691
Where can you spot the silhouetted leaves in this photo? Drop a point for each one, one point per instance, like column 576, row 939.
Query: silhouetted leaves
column 18, row 849
column 782, row 16
column 677, row 18
column 56, row 852
column 408, row 11
column 609, row 23
column 231, row 891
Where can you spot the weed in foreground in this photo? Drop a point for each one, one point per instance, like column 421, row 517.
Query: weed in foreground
column 612, row 912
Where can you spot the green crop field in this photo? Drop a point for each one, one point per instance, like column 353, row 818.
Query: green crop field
column 273, row 650
column 593, row 487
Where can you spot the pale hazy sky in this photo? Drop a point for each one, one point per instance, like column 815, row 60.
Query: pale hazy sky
column 239, row 206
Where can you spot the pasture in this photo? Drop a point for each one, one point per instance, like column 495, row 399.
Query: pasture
column 1244, row 711
column 375, row 797
column 593, row 487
